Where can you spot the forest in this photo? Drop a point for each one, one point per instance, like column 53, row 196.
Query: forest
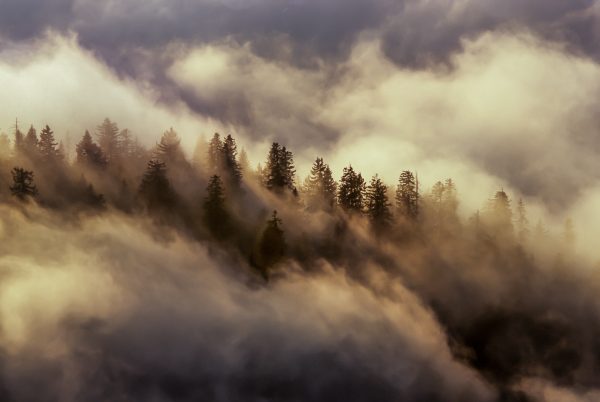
column 482, row 283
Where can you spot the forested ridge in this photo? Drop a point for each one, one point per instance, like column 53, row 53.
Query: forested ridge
column 486, row 279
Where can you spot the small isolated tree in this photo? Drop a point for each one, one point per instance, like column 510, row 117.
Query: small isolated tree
column 89, row 153
column 23, row 186
column 155, row 189
column 215, row 213
column 272, row 245
column 377, row 205
column 351, row 190
column 320, row 186
column 407, row 195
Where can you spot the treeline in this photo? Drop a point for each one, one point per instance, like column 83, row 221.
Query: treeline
column 217, row 194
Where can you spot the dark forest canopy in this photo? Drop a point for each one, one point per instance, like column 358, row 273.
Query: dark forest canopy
column 268, row 220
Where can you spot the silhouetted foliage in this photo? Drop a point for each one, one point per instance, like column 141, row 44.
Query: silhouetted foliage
column 214, row 160
column 231, row 167
column 377, row 205
column 169, row 149
column 47, row 145
column 108, row 139
column 279, row 171
column 320, row 187
column 155, row 189
column 89, row 153
column 407, row 195
column 272, row 244
column 23, row 186
column 351, row 190
column 215, row 213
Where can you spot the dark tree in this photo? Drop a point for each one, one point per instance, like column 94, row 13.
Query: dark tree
column 279, row 171
column 47, row 145
column 407, row 195
column 89, row 153
column 272, row 244
column 19, row 141
column 377, row 205
column 214, row 161
column 351, row 190
column 23, row 186
column 155, row 189
column 108, row 139
column 215, row 213
column 231, row 166
column 320, row 187
column 169, row 148
column 499, row 214
column 31, row 144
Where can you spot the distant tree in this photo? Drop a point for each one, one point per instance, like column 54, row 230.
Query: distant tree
column 231, row 166
column 272, row 244
column 442, row 206
column 48, row 146
column 108, row 139
column 155, row 189
column 377, row 205
column 88, row 195
column 320, row 187
column 200, row 153
column 407, row 195
column 279, row 171
column 23, row 186
column 245, row 163
column 215, row 213
column 19, row 141
column 169, row 148
column 499, row 214
column 89, row 153
column 351, row 190
column 31, row 144
column 522, row 222
column 214, row 161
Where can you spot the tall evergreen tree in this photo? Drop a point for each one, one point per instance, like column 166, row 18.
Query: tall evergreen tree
column 351, row 190
column 19, row 141
column 231, row 166
column 89, row 153
column 377, row 205
column 522, row 222
column 48, row 145
column 245, row 163
column 279, row 171
column 23, row 186
column 407, row 195
column 215, row 213
column 31, row 144
column 169, row 148
column 499, row 214
column 155, row 189
column 320, row 187
column 108, row 139
column 214, row 160
column 125, row 143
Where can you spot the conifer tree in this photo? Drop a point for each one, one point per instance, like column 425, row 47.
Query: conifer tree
column 231, row 166
column 407, row 195
column 320, row 187
column 499, row 214
column 377, row 205
column 47, row 145
column 125, row 143
column 279, row 171
column 89, row 153
column 19, row 142
column 23, row 186
column 169, row 148
column 155, row 189
column 214, row 161
column 522, row 221
column 351, row 190
column 272, row 244
column 108, row 139
column 244, row 163
column 215, row 213
column 31, row 143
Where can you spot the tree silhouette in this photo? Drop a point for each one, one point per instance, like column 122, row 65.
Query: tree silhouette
column 19, row 141
column 155, row 189
column 23, row 186
column 522, row 222
column 231, row 166
column 272, row 244
column 31, row 144
column 215, row 214
column 320, row 187
column 214, row 160
column 279, row 171
column 351, row 190
column 108, row 139
column 377, row 205
column 47, row 145
column 89, row 153
column 168, row 149
column 407, row 195
column 499, row 214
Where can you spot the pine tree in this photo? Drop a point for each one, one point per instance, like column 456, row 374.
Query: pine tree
column 125, row 143
column 47, row 145
column 377, row 205
column 89, row 153
column 279, row 171
column 231, row 167
column 23, row 186
column 215, row 214
column 320, row 187
column 155, row 189
column 214, row 161
column 31, row 144
column 108, row 139
column 500, row 214
column 351, row 190
column 245, row 163
column 19, row 141
column 407, row 195
column 169, row 148
column 272, row 244
column 522, row 222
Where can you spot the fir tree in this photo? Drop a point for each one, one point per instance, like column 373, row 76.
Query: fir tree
column 279, row 171
column 89, row 153
column 214, row 161
column 407, row 195
column 169, row 148
column 272, row 244
column 19, row 142
column 215, row 214
column 31, row 144
column 351, row 190
column 231, row 166
column 320, row 187
column 377, row 205
column 499, row 214
column 108, row 139
column 47, row 145
column 244, row 163
column 155, row 189
column 23, row 186
column 522, row 222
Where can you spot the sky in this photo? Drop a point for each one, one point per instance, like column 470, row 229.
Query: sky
column 493, row 94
